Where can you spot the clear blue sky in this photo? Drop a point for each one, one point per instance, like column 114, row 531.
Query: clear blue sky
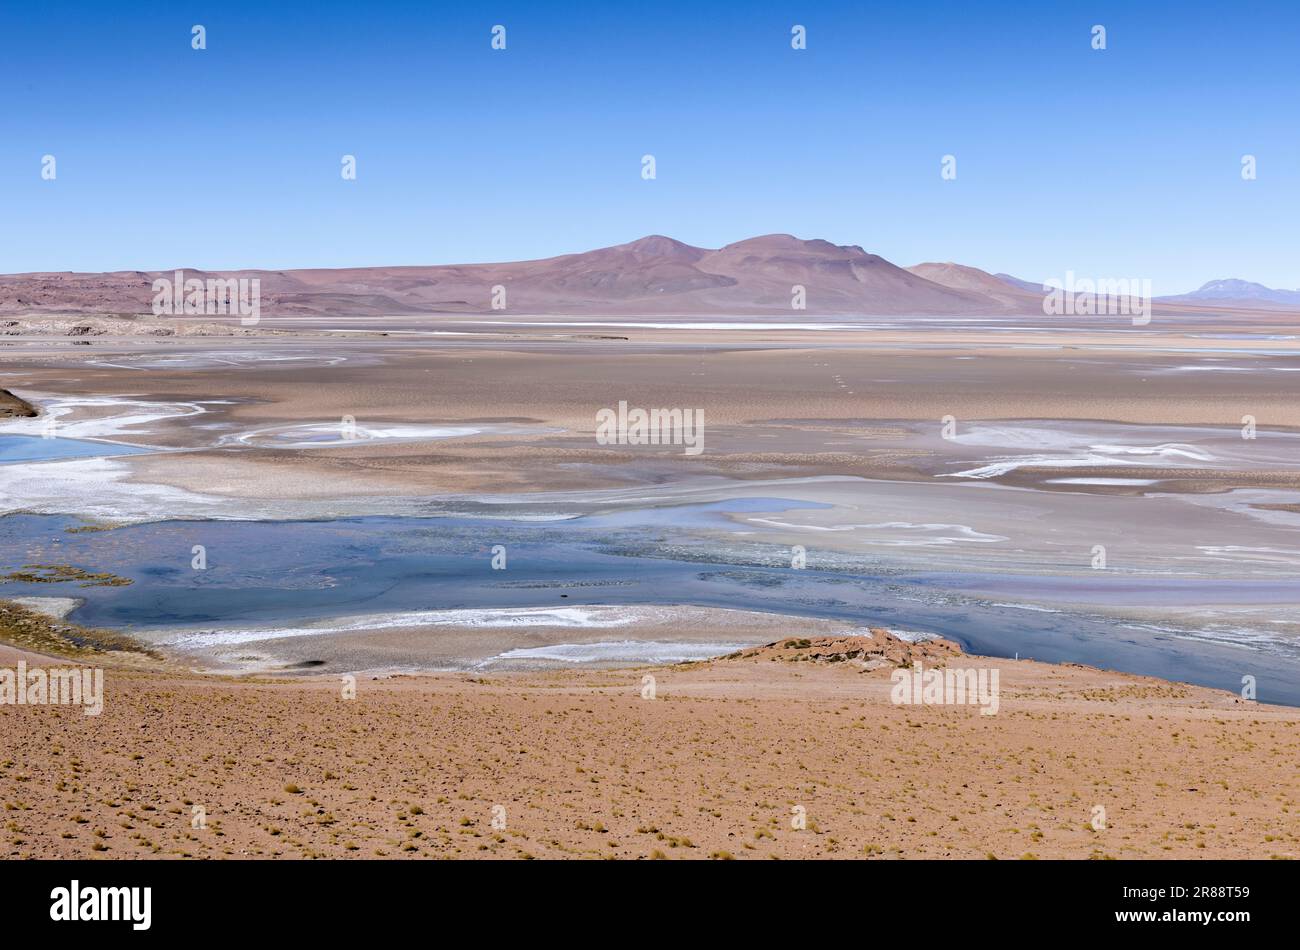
column 1117, row 163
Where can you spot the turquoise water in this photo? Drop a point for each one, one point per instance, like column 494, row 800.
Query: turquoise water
column 287, row 572
column 34, row 448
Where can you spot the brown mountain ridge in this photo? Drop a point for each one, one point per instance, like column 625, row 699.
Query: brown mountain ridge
column 655, row 275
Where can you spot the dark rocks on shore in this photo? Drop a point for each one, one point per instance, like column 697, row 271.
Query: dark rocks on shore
column 11, row 407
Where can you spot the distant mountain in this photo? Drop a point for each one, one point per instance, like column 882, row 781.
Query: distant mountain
column 653, row 275
column 972, row 279
column 1026, row 285
column 1239, row 294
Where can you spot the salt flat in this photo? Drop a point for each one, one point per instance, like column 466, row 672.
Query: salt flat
column 1063, row 438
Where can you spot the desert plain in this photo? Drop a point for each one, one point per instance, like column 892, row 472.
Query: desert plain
column 418, row 505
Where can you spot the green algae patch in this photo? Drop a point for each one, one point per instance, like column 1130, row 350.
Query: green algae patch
column 64, row 574
column 29, row 630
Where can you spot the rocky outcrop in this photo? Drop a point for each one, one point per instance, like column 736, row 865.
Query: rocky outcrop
column 879, row 650
column 11, row 407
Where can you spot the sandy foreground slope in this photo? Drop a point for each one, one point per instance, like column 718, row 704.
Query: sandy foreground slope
column 720, row 763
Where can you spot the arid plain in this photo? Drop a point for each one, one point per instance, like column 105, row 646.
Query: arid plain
column 349, row 480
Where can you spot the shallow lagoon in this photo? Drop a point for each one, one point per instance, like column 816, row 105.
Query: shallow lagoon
column 34, row 448
column 271, row 573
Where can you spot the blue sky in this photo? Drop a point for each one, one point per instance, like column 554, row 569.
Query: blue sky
column 1124, row 162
